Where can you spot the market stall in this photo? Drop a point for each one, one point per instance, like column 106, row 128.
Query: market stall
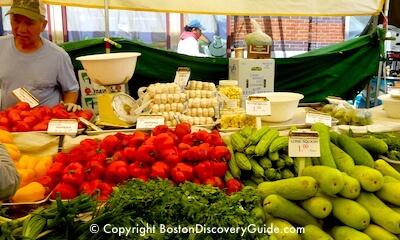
column 262, row 168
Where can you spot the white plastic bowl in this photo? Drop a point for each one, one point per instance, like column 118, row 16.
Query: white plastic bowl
column 391, row 105
column 283, row 105
column 110, row 68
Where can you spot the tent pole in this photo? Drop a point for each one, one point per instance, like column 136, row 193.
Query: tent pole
column 107, row 29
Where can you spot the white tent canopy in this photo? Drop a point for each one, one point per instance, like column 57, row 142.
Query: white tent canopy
column 236, row 7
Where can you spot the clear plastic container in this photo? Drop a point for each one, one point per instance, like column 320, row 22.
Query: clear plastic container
column 232, row 92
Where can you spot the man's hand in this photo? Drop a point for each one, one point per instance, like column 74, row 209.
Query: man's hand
column 71, row 107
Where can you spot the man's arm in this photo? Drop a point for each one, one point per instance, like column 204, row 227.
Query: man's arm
column 70, row 97
column 9, row 177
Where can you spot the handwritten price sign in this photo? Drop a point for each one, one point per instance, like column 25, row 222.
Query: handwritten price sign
column 304, row 144
column 258, row 106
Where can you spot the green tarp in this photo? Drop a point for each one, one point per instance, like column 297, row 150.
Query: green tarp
column 341, row 69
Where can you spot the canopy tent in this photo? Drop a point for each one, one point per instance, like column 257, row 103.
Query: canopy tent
column 236, row 7
column 340, row 70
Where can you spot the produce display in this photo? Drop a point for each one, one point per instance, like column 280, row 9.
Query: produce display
column 347, row 115
column 178, row 176
column 22, row 118
column 197, row 104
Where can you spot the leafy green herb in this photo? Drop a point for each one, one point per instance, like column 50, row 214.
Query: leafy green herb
column 167, row 211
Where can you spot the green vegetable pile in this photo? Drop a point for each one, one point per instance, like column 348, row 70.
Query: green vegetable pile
column 161, row 206
column 392, row 139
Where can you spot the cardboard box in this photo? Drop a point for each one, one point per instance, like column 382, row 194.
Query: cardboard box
column 259, row 52
column 90, row 90
column 254, row 75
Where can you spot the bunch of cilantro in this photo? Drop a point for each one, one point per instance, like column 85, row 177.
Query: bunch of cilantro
column 161, row 210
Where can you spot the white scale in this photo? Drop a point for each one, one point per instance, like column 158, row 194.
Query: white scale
column 115, row 109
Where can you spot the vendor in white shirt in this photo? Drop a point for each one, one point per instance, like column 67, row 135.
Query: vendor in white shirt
column 189, row 43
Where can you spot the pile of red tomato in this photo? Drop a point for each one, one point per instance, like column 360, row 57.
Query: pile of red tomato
column 96, row 166
column 22, row 118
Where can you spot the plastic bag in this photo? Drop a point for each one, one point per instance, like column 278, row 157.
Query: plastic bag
column 347, row 115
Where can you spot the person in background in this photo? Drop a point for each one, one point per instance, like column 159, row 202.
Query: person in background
column 9, row 177
column 30, row 61
column 189, row 39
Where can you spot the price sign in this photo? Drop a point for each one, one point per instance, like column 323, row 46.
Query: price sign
column 62, row 127
column 182, row 77
column 304, row 144
column 312, row 118
column 25, row 96
column 149, row 121
column 258, row 106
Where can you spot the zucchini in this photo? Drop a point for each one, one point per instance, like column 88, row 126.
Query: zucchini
column 274, row 156
column 390, row 193
column 233, row 167
column 370, row 179
column 386, row 169
column 317, row 206
column 279, row 223
column 270, row 173
column 298, row 188
column 238, row 142
column 257, row 170
column 352, row 187
column 376, row 232
column 242, row 161
column 279, row 143
column 265, row 162
column 281, row 207
column 263, row 145
column 329, row 179
column 249, row 151
column 246, row 131
column 286, row 173
column 348, row 211
column 380, row 213
column 372, row 144
column 326, row 157
column 312, row 232
column 359, row 154
column 333, row 136
column 345, row 232
column 256, row 136
column 343, row 160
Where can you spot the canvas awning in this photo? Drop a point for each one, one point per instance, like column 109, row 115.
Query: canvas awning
column 236, row 7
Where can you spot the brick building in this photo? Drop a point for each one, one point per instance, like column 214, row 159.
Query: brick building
column 291, row 34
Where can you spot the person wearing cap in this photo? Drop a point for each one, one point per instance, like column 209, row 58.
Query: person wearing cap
column 188, row 43
column 9, row 177
column 32, row 62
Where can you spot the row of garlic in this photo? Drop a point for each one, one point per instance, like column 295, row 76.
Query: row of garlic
column 202, row 102
column 200, row 85
column 161, row 108
column 159, row 88
column 165, row 98
column 200, row 112
column 200, row 93
column 172, row 118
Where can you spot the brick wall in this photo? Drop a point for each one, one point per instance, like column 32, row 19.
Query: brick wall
column 291, row 33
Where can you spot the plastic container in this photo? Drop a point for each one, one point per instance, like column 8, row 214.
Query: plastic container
column 232, row 92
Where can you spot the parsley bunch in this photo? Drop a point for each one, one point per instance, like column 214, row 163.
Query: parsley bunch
column 167, row 211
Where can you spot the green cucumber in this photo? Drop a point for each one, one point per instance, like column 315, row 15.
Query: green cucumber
column 380, row 212
column 329, row 179
column 343, row 160
column 317, row 206
column 326, row 157
column 281, row 207
column 359, row 154
column 352, row 187
column 298, row 188
column 312, row 232
column 370, row 179
column 346, row 233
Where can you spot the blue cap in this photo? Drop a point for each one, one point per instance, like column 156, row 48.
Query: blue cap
column 196, row 24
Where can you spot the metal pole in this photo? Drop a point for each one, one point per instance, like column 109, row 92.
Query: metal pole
column 107, row 29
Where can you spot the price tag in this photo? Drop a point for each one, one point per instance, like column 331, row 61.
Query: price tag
column 182, row 77
column 149, row 121
column 62, row 127
column 258, row 106
column 25, row 96
column 304, row 144
column 312, row 118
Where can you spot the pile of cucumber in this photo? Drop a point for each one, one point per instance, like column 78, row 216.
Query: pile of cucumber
column 347, row 193
column 260, row 155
